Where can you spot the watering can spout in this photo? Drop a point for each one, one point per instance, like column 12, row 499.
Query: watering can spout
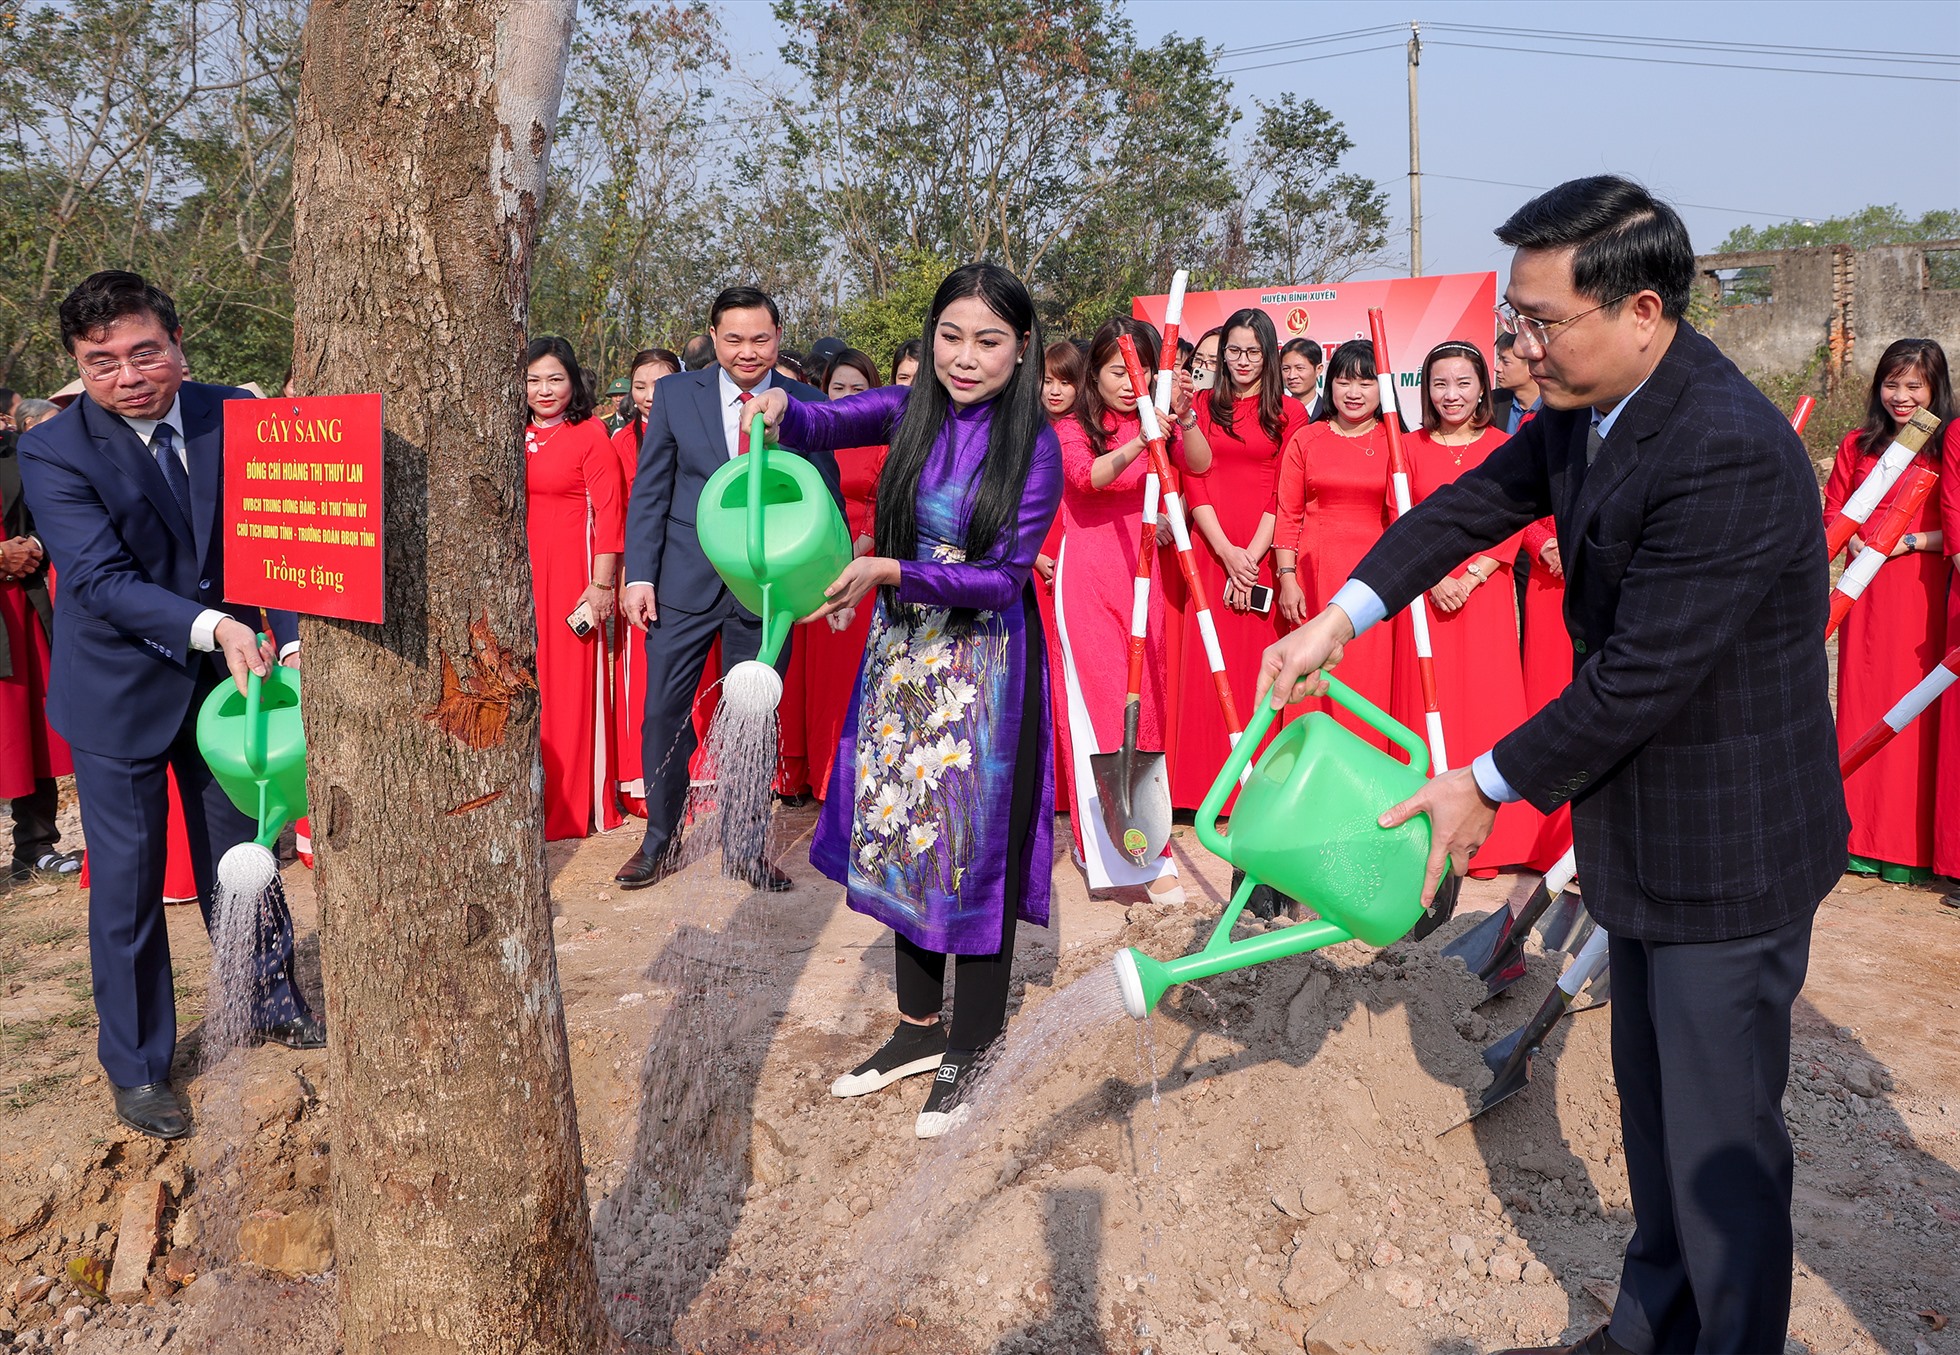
column 255, row 745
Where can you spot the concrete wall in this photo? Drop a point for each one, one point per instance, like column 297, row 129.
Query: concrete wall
column 1848, row 303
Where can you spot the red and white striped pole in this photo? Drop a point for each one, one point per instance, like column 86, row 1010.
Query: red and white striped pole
column 1167, row 357
column 1909, row 708
column 1153, row 434
column 1859, row 573
column 1801, row 415
column 1398, row 471
column 1876, row 485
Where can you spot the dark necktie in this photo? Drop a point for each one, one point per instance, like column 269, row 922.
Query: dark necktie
column 1593, row 442
column 163, row 445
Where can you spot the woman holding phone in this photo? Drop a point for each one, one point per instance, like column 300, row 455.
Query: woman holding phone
column 576, row 523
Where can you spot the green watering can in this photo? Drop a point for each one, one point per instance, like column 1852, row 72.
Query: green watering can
column 256, row 748
column 1306, row 824
column 772, row 531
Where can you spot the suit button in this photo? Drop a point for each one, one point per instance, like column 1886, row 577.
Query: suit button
column 1578, row 646
column 204, row 584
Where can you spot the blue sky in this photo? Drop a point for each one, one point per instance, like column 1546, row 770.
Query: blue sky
column 1770, row 144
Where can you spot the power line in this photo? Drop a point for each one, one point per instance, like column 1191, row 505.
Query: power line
column 1324, row 56
column 1706, row 65
column 1232, row 53
column 1700, row 206
column 1707, row 45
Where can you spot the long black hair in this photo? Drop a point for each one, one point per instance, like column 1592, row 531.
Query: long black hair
column 551, row 346
column 1929, row 360
column 1018, row 421
column 1089, row 407
column 1354, row 360
column 1272, row 390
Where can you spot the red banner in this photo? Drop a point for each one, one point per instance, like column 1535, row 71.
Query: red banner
column 302, row 508
column 1421, row 313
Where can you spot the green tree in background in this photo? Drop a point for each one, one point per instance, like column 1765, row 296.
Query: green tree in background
column 1861, row 230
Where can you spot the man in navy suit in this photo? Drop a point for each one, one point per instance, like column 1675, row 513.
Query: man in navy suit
column 673, row 593
column 1695, row 743
column 124, row 486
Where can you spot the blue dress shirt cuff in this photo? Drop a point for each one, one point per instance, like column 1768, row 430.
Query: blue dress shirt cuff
column 1361, row 603
column 1491, row 781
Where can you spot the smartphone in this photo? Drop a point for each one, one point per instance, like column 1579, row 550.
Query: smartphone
column 1203, row 381
column 583, row 620
column 1260, row 599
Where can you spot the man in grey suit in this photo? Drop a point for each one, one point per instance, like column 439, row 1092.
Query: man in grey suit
column 1695, row 743
column 672, row 592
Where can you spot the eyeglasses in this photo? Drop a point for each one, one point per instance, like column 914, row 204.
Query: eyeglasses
column 147, row 360
column 1538, row 333
column 1201, row 363
column 1242, row 354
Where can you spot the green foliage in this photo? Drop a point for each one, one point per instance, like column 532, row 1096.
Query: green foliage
column 1317, row 223
column 1861, row 230
column 879, row 324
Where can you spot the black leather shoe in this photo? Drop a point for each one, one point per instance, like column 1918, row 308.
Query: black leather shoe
column 642, row 870
column 761, row 875
column 301, row 1032
column 152, row 1109
column 1599, row 1343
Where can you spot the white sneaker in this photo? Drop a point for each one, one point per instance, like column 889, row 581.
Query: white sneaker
column 911, row 1049
column 944, row 1109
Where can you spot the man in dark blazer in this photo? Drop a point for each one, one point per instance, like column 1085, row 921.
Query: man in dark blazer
column 673, row 593
column 1695, row 742
column 125, row 489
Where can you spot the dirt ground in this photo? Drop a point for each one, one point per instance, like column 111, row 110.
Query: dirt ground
column 1288, row 1187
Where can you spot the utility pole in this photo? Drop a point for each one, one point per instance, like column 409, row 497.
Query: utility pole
column 1415, row 155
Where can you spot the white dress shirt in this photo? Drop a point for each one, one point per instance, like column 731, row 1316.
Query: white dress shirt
column 204, row 630
column 731, row 409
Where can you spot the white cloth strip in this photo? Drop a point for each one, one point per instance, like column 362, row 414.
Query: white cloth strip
column 1875, row 486
column 1213, row 654
column 1174, row 311
column 1439, row 756
column 1586, row 965
column 1559, row 877
column 1140, row 608
column 1147, row 416
column 1858, row 576
column 1386, row 382
column 1150, row 499
column 1400, row 480
column 1914, row 702
column 1174, row 504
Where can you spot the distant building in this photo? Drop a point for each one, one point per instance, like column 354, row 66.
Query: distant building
column 1783, row 310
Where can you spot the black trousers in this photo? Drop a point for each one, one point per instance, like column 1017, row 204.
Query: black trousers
column 677, row 650
column 34, row 830
column 124, row 808
column 980, row 982
column 1701, row 1052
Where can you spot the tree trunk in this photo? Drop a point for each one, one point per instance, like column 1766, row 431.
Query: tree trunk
column 459, row 1198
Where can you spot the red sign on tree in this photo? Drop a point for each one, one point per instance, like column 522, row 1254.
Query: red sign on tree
column 302, row 511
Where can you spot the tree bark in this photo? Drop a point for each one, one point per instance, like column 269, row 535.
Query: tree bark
column 459, row 1198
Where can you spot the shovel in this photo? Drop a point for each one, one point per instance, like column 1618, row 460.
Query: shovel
column 1493, row 950
column 1132, row 788
column 1509, row 1060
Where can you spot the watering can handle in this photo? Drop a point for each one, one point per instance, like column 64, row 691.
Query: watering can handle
column 1381, row 722
column 759, row 449
column 255, row 719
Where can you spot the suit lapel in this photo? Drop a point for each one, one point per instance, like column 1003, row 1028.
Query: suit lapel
column 204, row 431
column 1647, row 412
column 710, row 409
column 120, row 447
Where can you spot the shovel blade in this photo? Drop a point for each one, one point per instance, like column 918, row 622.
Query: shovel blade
column 1563, row 928
column 1141, row 832
column 1480, row 942
column 1441, row 908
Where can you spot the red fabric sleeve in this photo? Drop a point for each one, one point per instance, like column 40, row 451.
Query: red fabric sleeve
column 1290, row 499
column 1536, row 535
